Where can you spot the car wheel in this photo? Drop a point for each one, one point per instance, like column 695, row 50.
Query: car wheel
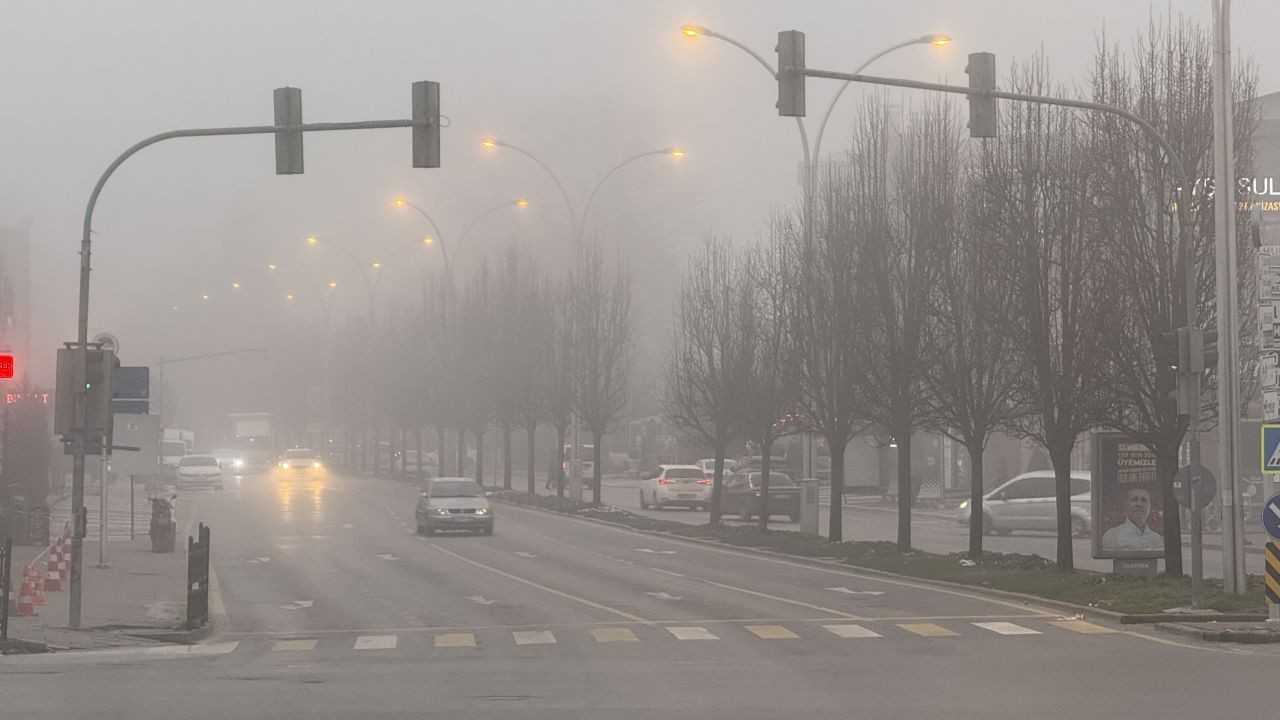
column 430, row 530
column 988, row 527
column 744, row 512
column 488, row 530
column 657, row 505
column 1004, row 531
column 643, row 505
column 1079, row 528
column 421, row 530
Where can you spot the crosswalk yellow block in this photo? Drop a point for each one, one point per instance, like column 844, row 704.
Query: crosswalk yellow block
column 1080, row 626
column 926, row 629
column 456, row 640
column 771, row 632
column 294, row 645
column 605, row 635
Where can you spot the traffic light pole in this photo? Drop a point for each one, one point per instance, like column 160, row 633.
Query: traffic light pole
column 82, row 327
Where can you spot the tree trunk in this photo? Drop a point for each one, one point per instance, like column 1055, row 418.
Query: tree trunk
column 976, row 517
column 597, row 472
column 531, row 433
column 462, row 451
column 561, row 432
column 905, row 495
column 441, row 460
column 506, row 456
column 417, row 446
column 404, row 452
column 717, row 483
column 1060, row 456
column 479, row 456
column 835, row 519
column 766, row 449
column 1166, row 468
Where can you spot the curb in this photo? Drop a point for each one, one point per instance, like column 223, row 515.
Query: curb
column 1081, row 610
column 18, row 646
column 1247, row 637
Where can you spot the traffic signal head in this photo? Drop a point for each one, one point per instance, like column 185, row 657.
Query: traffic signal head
column 1205, row 352
column 983, row 121
column 288, row 109
column 1165, row 349
column 426, row 138
column 790, row 83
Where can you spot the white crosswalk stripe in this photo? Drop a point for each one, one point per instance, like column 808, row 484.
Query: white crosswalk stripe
column 692, row 633
column 375, row 642
column 1007, row 628
column 851, row 631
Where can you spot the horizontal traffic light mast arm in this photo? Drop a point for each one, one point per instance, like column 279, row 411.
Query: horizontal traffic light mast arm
column 1175, row 161
column 83, row 329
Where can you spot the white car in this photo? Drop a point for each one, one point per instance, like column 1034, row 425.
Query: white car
column 708, row 466
column 229, row 459
column 676, row 485
column 199, row 471
column 1028, row 502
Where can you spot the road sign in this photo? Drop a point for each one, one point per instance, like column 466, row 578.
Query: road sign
column 1271, row 448
column 107, row 341
column 1271, row 517
column 1199, row 477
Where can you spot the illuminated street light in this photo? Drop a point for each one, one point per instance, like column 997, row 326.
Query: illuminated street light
column 235, row 285
column 426, row 240
column 522, row 203
column 288, row 296
column 693, row 31
column 488, row 143
column 205, row 296
column 333, row 284
column 272, row 266
column 400, row 202
column 675, row 152
column 375, row 265
column 312, row 240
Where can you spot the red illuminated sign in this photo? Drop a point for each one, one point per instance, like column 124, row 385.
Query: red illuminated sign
column 15, row 398
column 6, row 366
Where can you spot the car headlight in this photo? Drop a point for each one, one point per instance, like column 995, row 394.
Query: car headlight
column 239, row 463
column 316, row 464
column 440, row 511
column 964, row 504
column 284, row 465
column 482, row 511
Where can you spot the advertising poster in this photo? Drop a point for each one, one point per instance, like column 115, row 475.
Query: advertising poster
column 1128, row 507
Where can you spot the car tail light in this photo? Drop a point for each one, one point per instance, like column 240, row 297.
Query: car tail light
column 759, row 494
column 705, row 481
column 665, row 481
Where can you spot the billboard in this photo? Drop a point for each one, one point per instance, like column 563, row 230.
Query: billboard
column 1128, row 505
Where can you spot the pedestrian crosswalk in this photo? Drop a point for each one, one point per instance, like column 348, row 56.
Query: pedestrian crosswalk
column 623, row 634
column 118, row 515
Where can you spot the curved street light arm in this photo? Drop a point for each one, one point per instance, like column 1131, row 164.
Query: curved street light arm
column 377, row 276
column 481, row 216
column 822, row 127
column 360, row 265
column 586, row 210
column 573, row 215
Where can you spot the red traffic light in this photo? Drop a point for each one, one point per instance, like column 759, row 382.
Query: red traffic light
column 6, row 366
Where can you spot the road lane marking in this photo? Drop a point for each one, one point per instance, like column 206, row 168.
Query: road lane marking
column 847, row 591
column 1025, row 609
column 665, row 596
column 1006, row 628
column 455, row 640
column 851, row 631
column 221, row 648
column 692, row 633
column 294, row 645
column 771, row 632
column 526, row 555
column 613, row 634
column 926, row 629
column 375, row 642
column 1082, row 627
column 666, row 572
column 479, row 600
column 533, row 637
column 540, row 586
column 656, row 552
column 388, row 556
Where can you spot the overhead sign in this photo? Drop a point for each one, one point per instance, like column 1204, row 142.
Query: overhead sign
column 1271, row 517
column 1271, row 448
column 1128, row 502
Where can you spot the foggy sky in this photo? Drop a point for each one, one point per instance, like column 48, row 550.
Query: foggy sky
column 581, row 84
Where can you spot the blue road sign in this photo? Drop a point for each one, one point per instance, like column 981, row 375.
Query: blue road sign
column 1271, row 517
column 1270, row 449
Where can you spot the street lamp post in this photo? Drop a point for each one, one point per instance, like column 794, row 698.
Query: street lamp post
column 325, row 318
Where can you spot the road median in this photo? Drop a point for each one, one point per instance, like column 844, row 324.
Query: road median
column 1030, row 577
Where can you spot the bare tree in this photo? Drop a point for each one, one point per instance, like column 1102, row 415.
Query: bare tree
column 709, row 361
column 560, row 375
column 513, row 338
column 823, row 315
column 771, row 392
column 1040, row 180
column 475, row 366
column 905, row 199
column 602, row 323
column 973, row 365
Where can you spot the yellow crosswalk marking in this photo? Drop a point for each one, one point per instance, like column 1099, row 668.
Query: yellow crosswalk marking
column 926, row 629
column 1080, row 626
column 771, row 632
column 605, row 635
column 456, row 640
column 294, row 645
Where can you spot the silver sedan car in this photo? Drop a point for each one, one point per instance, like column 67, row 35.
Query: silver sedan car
column 1027, row 502
column 453, row 503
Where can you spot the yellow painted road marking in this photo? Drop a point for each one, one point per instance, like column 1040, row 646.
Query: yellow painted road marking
column 533, row 637
column 1080, row 626
column 544, row 588
column 771, row 632
column 294, row 645
column 851, row 631
column 691, row 633
column 456, row 640
column 375, row 642
column 926, row 629
column 605, row 635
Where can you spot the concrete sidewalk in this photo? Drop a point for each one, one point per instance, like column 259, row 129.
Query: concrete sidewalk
column 138, row 591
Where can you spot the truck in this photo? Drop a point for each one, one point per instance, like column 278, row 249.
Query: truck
column 174, row 445
column 251, row 435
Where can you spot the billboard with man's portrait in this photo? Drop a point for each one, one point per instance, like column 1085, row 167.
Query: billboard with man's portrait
column 1128, row 506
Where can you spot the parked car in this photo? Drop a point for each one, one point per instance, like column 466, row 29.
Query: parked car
column 676, row 485
column 453, row 503
column 1027, row 502
column 708, row 466
column 586, row 459
column 743, row 494
column 199, row 471
column 301, row 460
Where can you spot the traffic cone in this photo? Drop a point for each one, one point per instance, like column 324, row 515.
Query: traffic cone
column 37, row 582
column 23, row 606
column 52, row 579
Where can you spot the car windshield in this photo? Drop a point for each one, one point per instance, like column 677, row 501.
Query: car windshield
column 299, row 454
column 776, row 479
column 455, row 488
column 679, row 473
column 198, row 461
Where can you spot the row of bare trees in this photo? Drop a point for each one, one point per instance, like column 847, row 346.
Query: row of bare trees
column 1014, row 285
